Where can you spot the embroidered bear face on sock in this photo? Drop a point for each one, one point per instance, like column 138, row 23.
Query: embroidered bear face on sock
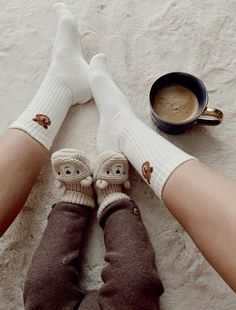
column 147, row 171
column 42, row 120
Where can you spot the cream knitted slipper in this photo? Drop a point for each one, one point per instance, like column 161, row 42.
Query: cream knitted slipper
column 110, row 175
column 71, row 170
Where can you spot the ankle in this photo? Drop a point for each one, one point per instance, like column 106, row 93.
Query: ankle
column 108, row 200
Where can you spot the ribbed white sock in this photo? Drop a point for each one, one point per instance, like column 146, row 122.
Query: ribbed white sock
column 119, row 129
column 66, row 83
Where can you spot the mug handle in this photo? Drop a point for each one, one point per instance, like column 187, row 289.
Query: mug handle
column 216, row 117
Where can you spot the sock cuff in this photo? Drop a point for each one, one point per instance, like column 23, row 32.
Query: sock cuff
column 21, row 124
column 110, row 189
column 78, row 198
column 108, row 200
column 46, row 112
column 166, row 174
column 154, row 157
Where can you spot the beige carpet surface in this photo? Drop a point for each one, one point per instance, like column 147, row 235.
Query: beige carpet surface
column 143, row 40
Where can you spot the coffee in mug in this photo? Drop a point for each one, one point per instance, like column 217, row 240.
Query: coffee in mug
column 178, row 100
column 175, row 104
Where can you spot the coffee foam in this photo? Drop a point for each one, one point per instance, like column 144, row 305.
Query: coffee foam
column 175, row 104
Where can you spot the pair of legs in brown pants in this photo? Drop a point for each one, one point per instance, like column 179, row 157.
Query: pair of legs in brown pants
column 130, row 278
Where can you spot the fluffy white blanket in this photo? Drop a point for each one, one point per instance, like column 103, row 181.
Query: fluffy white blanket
column 143, row 40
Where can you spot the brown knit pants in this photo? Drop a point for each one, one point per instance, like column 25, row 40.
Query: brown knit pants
column 130, row 278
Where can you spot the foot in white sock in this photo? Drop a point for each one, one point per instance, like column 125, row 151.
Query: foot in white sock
column 68, row 63
column 66, row 83
column 111, row 103
column 119, row 129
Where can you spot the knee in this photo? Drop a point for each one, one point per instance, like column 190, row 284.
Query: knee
column 144, row 279
column 149, row 282
column 135, row 277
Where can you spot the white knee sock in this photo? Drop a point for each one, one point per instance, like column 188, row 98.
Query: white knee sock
column 66, row 83
column 119, row 129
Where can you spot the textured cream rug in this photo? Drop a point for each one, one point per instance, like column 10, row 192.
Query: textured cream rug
column 143, row 40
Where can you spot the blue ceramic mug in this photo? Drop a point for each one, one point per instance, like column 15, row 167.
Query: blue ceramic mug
column 203, row 116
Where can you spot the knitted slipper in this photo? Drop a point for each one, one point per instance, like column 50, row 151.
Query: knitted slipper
column 71, row 170
column 110, row 175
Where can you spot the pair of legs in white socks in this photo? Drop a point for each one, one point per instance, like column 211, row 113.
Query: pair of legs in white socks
column 71, row 80
column 199, row 198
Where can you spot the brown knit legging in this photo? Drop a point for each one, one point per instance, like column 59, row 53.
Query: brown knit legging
column 130, row 278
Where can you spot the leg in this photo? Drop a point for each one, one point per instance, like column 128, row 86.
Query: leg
column 202, row 200
column 66, row 83
column 24, row 165
column 52, row 280
column 130, row 279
